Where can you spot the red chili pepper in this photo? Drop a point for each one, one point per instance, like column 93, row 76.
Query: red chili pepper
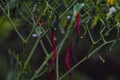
column 53, row 47
column 51, row 74
column 67, row 56
column 77, row 24
column 41, row 23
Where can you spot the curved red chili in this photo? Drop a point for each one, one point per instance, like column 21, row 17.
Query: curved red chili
column 77, row 24
column 67, row 56
column 53, row 47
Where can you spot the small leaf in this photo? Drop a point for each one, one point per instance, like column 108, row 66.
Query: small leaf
column 78, row 6
column 96, row 18
column 38, row 31
column 63, row 22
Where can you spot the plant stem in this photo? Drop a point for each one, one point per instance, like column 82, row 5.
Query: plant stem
column 40, row 68
column 67, row 9
column 34, row 23
column 59, row 49
column 43, row 46
column 33, row 49
column 31, row 53
column 48, row 57
column 100, row 47
column 47, row 37
column 85, row 58
column 13, row 25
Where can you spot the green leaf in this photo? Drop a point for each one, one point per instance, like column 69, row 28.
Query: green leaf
column 96, row 18
column 38, row 31
column 78, row 6
column 63, row 22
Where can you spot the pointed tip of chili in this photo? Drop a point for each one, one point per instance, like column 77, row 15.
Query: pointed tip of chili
column 51, row 74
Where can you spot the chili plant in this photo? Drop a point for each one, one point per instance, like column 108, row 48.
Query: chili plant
column 54, row 29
